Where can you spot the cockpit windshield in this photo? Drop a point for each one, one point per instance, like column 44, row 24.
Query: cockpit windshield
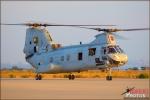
column 111, row 50
column 114, row 49
column 119, row 49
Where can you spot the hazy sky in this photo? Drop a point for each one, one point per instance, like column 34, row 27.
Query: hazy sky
column 124, row 14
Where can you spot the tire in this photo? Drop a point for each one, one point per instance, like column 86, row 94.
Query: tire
column 40, row 77
column 109, row 78
column 70, row 77
column 37, row 77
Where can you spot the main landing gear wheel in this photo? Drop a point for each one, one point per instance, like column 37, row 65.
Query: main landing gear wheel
column 71, row 77
column 109, row 77
column 38, row 77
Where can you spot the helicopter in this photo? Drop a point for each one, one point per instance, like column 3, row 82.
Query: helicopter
column 46, row 56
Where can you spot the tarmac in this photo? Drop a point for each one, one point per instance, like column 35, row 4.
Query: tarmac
column 80, row 88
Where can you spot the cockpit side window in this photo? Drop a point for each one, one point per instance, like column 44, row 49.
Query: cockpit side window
column 121, row 50
column 118, row 49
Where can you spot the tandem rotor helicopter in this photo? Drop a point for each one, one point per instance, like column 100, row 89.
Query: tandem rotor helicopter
column 46, row 56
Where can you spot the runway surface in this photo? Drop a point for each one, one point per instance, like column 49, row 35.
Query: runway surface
column 68, row 89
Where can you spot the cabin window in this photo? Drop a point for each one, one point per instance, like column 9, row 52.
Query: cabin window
column 62, row 58
column 68, row 57
column 51, row 59
column 30, row 42
column 104, row 50
column 92, row 51
column 35, row 49
column 80, row 56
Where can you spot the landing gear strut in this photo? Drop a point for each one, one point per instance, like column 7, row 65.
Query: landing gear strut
column 71, row 76
column 38, row 77
column 109, row 77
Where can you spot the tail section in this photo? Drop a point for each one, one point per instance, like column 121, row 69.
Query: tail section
column 37, row 41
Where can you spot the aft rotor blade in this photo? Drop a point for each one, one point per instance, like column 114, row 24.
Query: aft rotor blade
column 89, row 28
column 45, row 25
column 115, row 29
column 15, row 24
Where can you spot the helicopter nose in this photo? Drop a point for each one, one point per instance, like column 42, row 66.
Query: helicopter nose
column 119, row 59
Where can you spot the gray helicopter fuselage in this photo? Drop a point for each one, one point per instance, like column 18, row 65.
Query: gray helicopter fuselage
column 48, row 57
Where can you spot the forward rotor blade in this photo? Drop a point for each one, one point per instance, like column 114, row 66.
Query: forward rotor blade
column 115, row 29
column 136, row 29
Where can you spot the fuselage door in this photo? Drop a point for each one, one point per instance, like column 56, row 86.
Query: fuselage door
column 103, row 53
